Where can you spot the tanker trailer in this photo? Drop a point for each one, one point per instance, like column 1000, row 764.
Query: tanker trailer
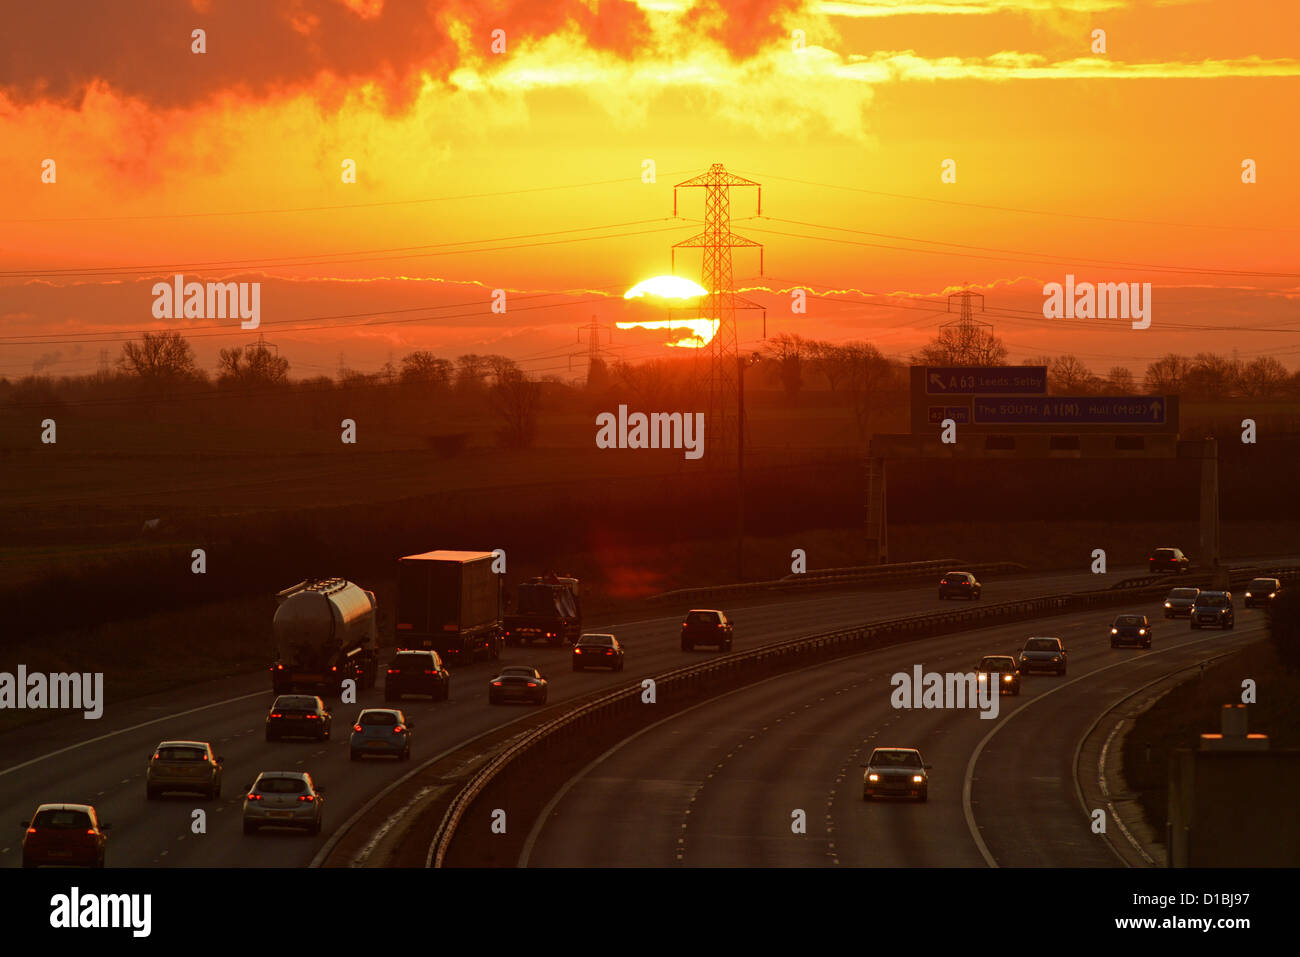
column 325, row 632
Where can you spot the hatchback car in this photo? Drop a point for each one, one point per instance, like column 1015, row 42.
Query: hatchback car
column 298, row 716
column 1043, row 654
column 895, row 772
column 284, row 799
column 1004, row 667
column 64, row 834
column 1178, row 603
column 1130, row 630
column 597, row 651
column 381, row 731
column 1168, row 560
column 706, row 626
column 959, row 585
column 417, row 672
column 1262, row 591
column 183, row 766
column 1213, row 609
column 517, row 682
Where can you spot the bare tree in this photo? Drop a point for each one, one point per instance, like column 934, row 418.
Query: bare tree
column 868, row 372
column 1166, row 375
column 830, row 361
column 160, row 357
column 471, row 370
column 255, row 366
column 788, row 351
column 425, row 369
column 1067, row 374
column 517, row 401
column 1119, row 381
column 951, row 347
column 1212, row 377
column 1263, row 378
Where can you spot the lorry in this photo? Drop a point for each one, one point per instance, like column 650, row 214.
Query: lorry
column 326, row 631
column 450, row 602
column 546, row 609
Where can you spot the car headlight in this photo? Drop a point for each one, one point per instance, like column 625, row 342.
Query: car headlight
column 1168, row 605
column 1272, row 594
column 917, row 779
column 1056, row 657
column 1114, row 631
column 1006, row 677
column 981, row 677
column 1249, row 595
column 1142, row 631
column 873, row 777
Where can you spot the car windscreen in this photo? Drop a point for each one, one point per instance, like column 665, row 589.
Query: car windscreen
column 702, row 618
column 1042, row 644
column 1212, row 601
column 517, row 672
column 385, row 718
column 62, row 820
column 1165, row 553
column 604, row 640
column 282, row 785
column 1128, row 620
column 182, row 754
column 997, row 664
column 1262, row 584
column 294, row 703
column 1184, row 593
column 413, row 661
column 895, row 759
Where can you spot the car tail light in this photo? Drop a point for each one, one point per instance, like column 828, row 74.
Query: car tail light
column 577, row 651
column 334, row 667
column 496, row 684
column 312, row 717
column 255, row 797
column 155, row 755
column 31, row 830
column 398, row 729
column 279, row 667
column 394, row 671
column 427, row 671
column 532, row 684
column 276, row 714
column 306, row 797
column 610, row 652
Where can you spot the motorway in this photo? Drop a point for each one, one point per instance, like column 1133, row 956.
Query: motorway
column 717, row 785
column 69, row 759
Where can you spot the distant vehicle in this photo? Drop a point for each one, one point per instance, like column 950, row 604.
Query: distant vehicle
column 1043, row 654
column 64, row 834
column 895, row 772
column 298, row 716
column 450, row 602
column 1178, row 603
column 1213, row 609
column 598, row 651
column 1130, row 630
column 546, row 609
column 959, row 584
column 1004, row 666
column 183, row 766
column 1168, row 560
column 325, row 633
column 517, row 682
column 381, row 731
column 1262, row 591
column 284, row 799
column 706, row 626
column 417, row 672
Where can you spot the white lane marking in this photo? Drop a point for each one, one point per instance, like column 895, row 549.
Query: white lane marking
column 969, row 777
column 134, row 727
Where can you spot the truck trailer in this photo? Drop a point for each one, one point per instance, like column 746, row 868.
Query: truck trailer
column 547, row 609
column 325, row 633
column 450, row 601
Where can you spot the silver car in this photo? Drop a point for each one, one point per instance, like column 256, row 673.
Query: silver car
column 284, row 799
column 895, row 772
column 381, row 731
column 183, row 766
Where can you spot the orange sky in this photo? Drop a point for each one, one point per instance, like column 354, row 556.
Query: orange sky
column 1116, row 167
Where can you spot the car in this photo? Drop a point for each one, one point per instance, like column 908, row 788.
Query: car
column 1213, row 609
column 517, row 681
column 961, row 584
column 417, row 672
column 1178, row 603
column 1262, row 591
column 64, row 834
column 597, row 651
column 1130, row 629
column 381, row 731
column 298, row 716
column 183, row 766
column 1004, row 666
column 1043, row 653
column 895, row 772
column 284, row 799
column 1166, row 559
column 706, row 626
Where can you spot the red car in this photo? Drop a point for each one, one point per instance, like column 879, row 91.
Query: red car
column 64, row 834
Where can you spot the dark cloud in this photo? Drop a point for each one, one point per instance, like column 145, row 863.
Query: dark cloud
column 742, row 26
column 56, row 49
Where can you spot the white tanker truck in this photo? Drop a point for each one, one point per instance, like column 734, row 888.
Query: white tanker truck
column 325, row 632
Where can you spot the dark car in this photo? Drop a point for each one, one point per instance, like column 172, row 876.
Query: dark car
column 183, row 766
column 1213, row 609
column 895, row 772
column 298, row 716
column 706, row 626
column 1130, row 630
column 517, row 682
column 64, row 834
column 959, row 585
column 1168, row 560
column 597, row 651
column 381, row 731
column 417, row 672
column 1043, row 654
column 1178, row 603
column 1262, row 591
column 1000, row 668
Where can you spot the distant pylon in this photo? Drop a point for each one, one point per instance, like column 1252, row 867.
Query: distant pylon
column 717, row 241
column 594, row 329
column 969, row 330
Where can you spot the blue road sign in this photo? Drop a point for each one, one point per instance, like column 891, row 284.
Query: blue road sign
column 989, row 380
column 1072, row 409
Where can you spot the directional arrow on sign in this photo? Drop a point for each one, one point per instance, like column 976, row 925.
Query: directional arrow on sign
column 1156, row 411
column 936, row 380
